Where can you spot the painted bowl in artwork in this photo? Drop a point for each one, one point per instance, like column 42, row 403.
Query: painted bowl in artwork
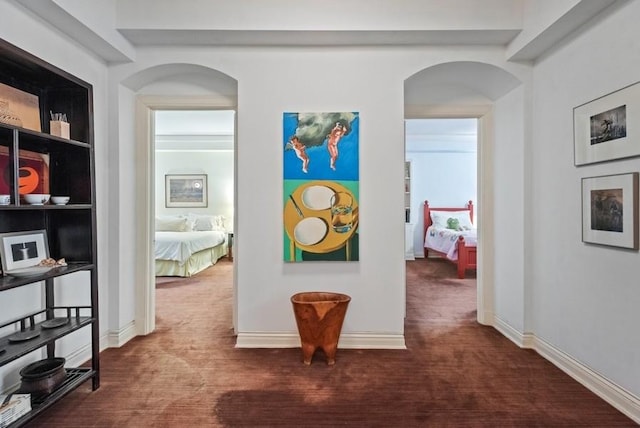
column 37, row 198
column 60, row 200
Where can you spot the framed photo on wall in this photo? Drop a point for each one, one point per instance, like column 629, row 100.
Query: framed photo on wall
column 610, row 210
column 185, row 190
column 608, row 127
column 23, row 249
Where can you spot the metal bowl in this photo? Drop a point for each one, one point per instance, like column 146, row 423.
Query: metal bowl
column 43, row 377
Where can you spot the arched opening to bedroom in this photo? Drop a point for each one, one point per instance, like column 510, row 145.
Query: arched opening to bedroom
column 179, row 88
column 437, row 97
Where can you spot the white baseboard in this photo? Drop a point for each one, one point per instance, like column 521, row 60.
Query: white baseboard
column 118, row 338
column 347, row 340
column 79, row 356
column 618, row 397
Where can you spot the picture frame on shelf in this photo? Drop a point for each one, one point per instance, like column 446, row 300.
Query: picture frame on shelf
column 34, row 172
column 19, row 108
column 606, row 128
column 610, row 210
column 185, row 190
column 24, row 249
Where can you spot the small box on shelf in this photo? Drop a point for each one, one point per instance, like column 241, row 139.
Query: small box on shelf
column 59, row 128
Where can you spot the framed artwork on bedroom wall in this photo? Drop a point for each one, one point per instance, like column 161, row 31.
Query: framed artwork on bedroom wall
column 610, row 210
column 185, row 190
column 608, row 127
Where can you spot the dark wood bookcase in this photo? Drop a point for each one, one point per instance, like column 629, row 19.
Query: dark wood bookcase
column 70, row 229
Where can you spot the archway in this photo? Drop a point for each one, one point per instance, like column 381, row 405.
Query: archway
column 166, row 87
column 466, row 89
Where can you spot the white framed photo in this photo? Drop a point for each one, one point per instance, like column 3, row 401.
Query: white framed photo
column 608, row 127
column 185, row 190
column 23, row 249
column 610, row 210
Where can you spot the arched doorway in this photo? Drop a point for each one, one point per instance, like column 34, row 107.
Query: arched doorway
column 465, row 89
column 165, row 87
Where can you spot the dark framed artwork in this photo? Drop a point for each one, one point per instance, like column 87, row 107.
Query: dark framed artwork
column 610, row 210
column 23, row 249
column 185, row 190
column 607, row 127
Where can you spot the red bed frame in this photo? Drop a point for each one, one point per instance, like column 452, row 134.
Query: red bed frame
column 466, row 255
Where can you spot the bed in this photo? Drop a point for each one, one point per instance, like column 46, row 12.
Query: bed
column 449, row 232
column 186, row 245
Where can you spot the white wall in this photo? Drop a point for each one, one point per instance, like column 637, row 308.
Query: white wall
column 218, row 165
column 585, row 298
column 508, row 218
column 21, row 29
column 270, row 82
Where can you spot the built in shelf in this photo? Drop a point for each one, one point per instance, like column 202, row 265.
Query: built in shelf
column 36, row 138
column 7, row 282
column 71, row 230
column 10, row 351
column 25, row 206
column 75, row 377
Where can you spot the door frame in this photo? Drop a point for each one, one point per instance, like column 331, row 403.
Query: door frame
column 146, row 105
column 484, row 205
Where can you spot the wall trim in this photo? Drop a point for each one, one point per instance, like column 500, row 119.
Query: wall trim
column 117, row 338
column 347, row 341
column 618, row 397
column 83, row 354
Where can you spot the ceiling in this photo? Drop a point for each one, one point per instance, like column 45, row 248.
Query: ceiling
column 116, row 29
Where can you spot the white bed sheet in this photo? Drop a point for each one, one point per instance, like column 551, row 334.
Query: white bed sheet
column 179, row 246
column 444, row 240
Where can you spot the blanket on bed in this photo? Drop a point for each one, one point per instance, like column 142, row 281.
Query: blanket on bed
column 444, row 240
column 179, row 246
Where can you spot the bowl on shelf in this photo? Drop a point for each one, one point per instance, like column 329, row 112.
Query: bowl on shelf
column 5, row 199
column 43, row 377
column 36, row 198
column 60, row 200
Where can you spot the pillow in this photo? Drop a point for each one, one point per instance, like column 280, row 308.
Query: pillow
column 172, row 224
column 201, row 223
column 453, row 223
column 441, row 218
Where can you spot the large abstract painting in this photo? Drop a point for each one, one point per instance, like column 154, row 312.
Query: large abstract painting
column 321, row 186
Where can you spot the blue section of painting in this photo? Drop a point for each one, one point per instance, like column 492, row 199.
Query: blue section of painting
column 347, row 164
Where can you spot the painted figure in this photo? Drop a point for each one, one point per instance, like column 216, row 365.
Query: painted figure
column 301, row 152
column 338, row 131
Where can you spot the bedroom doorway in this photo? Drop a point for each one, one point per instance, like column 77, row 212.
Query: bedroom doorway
column 193, row 145
column 437, row 148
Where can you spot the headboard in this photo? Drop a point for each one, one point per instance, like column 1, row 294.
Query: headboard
column 427, row 213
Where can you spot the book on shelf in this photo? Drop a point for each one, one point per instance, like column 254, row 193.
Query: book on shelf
column 12, row 407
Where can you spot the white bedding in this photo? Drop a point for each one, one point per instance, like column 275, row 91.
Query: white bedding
column 443, row 240
column 179, row 246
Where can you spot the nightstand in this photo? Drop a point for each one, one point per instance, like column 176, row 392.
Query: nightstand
column 230, row 245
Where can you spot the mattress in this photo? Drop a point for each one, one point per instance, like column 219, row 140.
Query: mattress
column 180, row 246
column 444, row 240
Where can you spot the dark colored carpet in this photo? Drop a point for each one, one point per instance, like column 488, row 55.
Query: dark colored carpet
column 455, row 373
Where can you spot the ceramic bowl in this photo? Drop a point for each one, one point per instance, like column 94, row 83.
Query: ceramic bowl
column 36, row 198
column 5, row 199
column 60, row 200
